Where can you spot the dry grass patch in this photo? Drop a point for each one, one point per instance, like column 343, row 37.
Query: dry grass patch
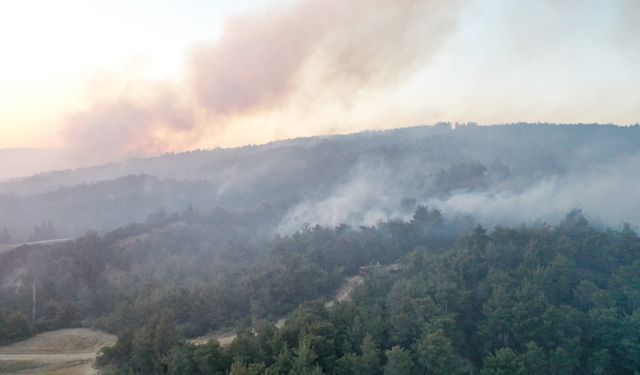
column 65, row 341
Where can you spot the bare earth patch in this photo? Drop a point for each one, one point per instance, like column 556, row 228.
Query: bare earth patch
column 344, row 293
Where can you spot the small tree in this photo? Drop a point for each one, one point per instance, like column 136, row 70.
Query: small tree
column 399, row 362
column 503, row 362
column 370, row 360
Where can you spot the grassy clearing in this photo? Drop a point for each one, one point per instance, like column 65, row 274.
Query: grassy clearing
column 63, row 352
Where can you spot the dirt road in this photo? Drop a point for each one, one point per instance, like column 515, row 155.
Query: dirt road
column 10, row 248
column 343, row 294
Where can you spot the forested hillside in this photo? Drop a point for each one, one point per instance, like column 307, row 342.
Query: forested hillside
column 545, row 300
column 471, row 263
column 522, row 172
column 209, row 270
column 523, row 300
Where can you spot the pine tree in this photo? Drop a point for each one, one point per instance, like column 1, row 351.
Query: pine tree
column 399, row 362
column 238, row 368
column 370, row 359
column 436, row 354
column 305, row 362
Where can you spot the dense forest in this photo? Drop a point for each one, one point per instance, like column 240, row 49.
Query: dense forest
column 210, row 270
column 537, row 299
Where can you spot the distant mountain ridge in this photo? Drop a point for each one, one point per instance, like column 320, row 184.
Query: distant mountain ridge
column 25, row 162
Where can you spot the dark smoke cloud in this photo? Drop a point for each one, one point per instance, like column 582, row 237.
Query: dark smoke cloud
column 330, row 48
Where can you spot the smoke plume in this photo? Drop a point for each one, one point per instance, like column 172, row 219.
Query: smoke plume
column 313, row 48
column 261, row 61
column 146, row 120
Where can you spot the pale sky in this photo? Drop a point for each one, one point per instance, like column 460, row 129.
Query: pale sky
column 51, row 48
column 500, row 61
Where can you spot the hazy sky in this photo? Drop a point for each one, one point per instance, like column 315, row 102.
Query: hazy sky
column 136, row 77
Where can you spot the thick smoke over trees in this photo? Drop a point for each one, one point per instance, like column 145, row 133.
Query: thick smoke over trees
column 497, row 174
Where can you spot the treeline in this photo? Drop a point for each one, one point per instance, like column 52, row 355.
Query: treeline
column 41, row 232
column 527, row 300
column 14, row 326
column 208, row 271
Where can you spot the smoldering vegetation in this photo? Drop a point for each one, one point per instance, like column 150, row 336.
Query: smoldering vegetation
column 493, row 174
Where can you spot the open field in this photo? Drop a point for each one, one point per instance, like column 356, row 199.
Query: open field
column 67, row 351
